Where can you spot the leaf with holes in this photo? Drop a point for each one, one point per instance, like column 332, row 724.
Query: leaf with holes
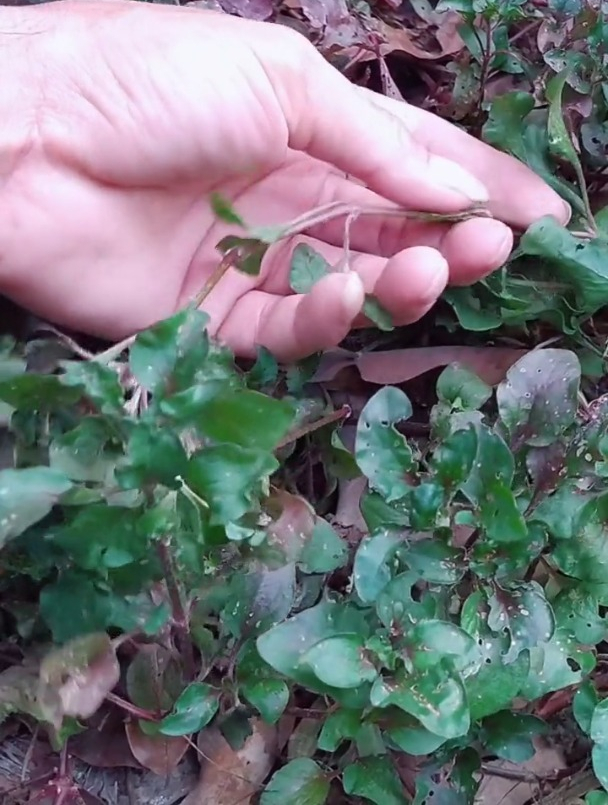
column 489, row 487
column 556, row 664
column 381, row 452
column 436, row 697
column 537, row 401
column 509, row 735
column 523, row 611
column 396, row 604
column 578, row 609
column 338, row 727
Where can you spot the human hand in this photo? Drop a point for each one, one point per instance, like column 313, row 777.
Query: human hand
column 132, row 115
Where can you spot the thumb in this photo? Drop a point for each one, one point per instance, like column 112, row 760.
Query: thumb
column 341, row 124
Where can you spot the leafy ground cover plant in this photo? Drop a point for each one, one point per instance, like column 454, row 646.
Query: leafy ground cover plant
column 170, row 561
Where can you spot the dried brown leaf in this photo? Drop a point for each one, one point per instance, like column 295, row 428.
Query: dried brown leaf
column 400, row 365
column 229, row 776
column 159, row 753
column 104, row 744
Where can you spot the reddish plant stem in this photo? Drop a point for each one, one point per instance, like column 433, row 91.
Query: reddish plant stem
column 132, row 709
column 180, row 619
column 335, row 416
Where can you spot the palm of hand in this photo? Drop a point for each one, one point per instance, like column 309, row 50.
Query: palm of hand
column 112, row 198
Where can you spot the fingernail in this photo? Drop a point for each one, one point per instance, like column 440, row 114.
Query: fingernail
column 353, row 294
column 437, row 283
column 504, row 249
column 567, row 212
column 448, row 174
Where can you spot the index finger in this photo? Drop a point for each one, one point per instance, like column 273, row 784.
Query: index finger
column 518, row 196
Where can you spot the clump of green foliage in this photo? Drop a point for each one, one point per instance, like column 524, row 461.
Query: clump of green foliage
column 155, row 554
column 146, row 499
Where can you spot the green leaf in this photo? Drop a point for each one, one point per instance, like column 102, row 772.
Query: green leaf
column 269, row 697
column 97, row 382
column 381, row 452
column 538, row 399
column 452, row 461
column 577, row 609
column 157, row 350
column 224, row 210
column 426, row 502
column 153, row 455
column 307, row 268
column 581, row 263
column 33, row 392
column 561, row 511
column 560, row 141
column 258, row 600
column 101, row 536
column 73, row 606
column 435, row 561
column 227, row 477
column 509, row 735
column 83, row 453
column 340, row 726
column 583, row 705
column 521, row 609
column 264, row 371
column 247, row 253
column 431, row 641
column 396, row 605
column 324, row 551
column 596, row 798
column 488, row 486
column 284, row 646
column 552, row 664
column 462, row 389
column 370, row 570
column 377, row 314
column 300, row 782
column 192, row 711
column 246, row 418
column 409, row 735
column 375, row 779
column 512, row 128
column 436, row 697
column 26, row 496
column 598, row 730
column 599, row 759
column 585, row 555
column 340, row 662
